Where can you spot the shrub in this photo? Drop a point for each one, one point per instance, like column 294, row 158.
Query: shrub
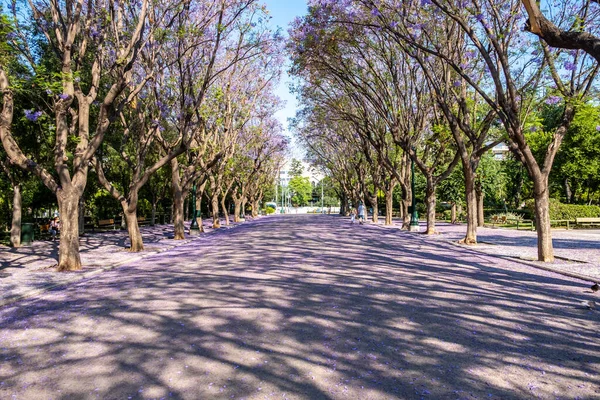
column 269, row 210
column 559, row 210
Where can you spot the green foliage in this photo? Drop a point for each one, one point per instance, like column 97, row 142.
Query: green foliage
column 296, row 169
column 452, row 189
column 269, row 210
column 578, row 160
column 559, row 210
column 302, row 191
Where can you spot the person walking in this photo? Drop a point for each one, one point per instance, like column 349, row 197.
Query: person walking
column 352, row 215
column 361, row 213
column 54, row 228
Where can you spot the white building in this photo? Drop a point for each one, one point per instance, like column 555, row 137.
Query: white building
column 500, row 151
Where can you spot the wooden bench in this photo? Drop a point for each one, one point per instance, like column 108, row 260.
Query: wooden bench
column 587, row 221
column 143, row 221
column 106, row 223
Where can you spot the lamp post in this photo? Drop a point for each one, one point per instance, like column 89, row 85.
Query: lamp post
column 414, row 216
column 322, row 209
column 194, row 228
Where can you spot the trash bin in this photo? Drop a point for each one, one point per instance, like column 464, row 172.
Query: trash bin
column 26, row 233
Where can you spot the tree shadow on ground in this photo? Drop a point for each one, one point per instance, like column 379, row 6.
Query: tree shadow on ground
column 306, row 308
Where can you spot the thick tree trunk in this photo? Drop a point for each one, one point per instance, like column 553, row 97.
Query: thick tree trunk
column 178, row 215
column 255, row 208
column 344, row 207
column 480, row 213
column 453, row 213
column 542, row 219
column 215, row 211
column 178, row 203
column 471, row 235
column 68, row 251
column 17, row 211
column 430, row 199
column 375, row 217
column 389, row 206
column 237, row 209
column 373, row 202
column 130, row 214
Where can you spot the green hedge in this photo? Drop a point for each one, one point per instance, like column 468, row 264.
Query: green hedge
column 559, row 210
column 269, row 210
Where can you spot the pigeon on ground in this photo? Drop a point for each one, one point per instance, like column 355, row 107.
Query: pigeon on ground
column 595, row 287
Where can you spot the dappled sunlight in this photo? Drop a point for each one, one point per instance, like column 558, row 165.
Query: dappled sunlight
column 274, row 309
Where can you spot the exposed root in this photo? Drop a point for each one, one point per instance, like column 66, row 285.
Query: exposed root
column 468, row 242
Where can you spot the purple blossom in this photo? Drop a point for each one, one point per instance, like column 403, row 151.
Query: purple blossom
column 598, row 128
column 569, row 66
column 32, row 115
column 553, row 100
column 425, row 3
column 63, row 96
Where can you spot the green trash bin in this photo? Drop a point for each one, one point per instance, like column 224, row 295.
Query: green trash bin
column 27, row 233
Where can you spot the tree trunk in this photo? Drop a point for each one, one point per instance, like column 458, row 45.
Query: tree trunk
column 224, row 208
column 237, row 209
column 542, row 219
column 178, row 215
column 68, row 251
column 153, row 215
column 480, row 213
column 178, row 203
column 430, row 199
column 17, row 211
column 186, row 208
column 389, row 206
column 373, row 202
column 453, row 213
column 568, row 192
column 243, row 211
column 255, row 208
column 344, row 204
column 81, row 209
column 215, row 211
column 130, row 215
column 471, row 235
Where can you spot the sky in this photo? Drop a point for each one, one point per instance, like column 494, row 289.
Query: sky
column 284, row 12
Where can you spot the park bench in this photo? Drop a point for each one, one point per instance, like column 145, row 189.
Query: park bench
column 142, row 221
column 106, row 223
column 587, row 221
column 496, row 220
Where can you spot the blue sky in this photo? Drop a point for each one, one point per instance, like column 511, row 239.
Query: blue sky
column 284, row 12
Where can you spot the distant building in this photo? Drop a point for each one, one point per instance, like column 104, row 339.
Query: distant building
column 308, row 172
column 500, row 151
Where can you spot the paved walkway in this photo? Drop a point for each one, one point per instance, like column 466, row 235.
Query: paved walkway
column 307, row 307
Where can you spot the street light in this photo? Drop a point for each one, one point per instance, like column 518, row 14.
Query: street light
column 414, row 216
column 322, row 210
